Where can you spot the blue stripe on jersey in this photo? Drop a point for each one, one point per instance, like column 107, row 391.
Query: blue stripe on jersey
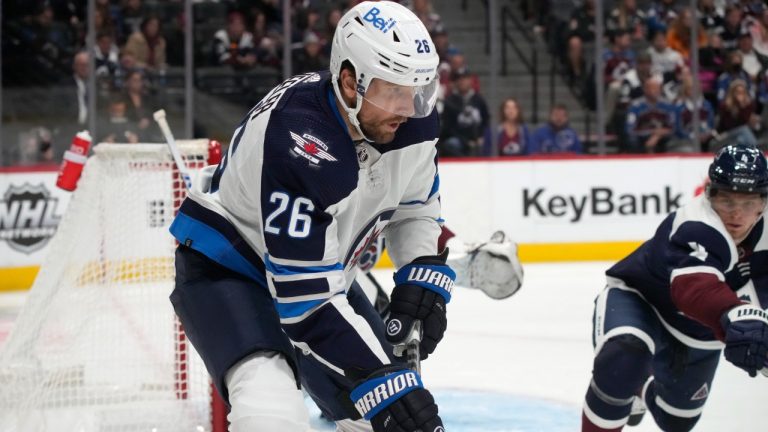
column 301, row 287
column 291, row 310
column 216, row 221
column 335, row 109
column 279, row 269
column 214, row 245
column 435, row 185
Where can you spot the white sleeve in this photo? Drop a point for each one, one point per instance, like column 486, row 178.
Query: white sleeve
column 415, row 225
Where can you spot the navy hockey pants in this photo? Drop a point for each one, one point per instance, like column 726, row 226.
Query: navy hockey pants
column 228, row 317
column 631, row 344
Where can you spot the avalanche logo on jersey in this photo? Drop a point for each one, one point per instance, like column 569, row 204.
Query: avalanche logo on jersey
column 310, row 148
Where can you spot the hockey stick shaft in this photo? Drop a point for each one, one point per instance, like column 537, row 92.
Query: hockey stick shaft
column 182, row 167
column 412, row 355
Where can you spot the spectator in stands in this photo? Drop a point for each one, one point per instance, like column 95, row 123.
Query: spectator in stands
column 148, row 45
column 554, row 19
column 732, row 71
column 118, row 128
column 556, row 136
column 711, row 62
column 130, row 19
column 106, row 55
column 664, row 59
column 729, row 33
column 442, row 45
column 36, row 147
column 457, row 62
column 44, row 46
column 627, row 16
column 759, row 31
column 139, row 105
column 738, row 109
column 233, row 45
column 619, row 57
column 650, row 121
column 332, row 18
column 465, row 118
column 267, row 41
column 311, row 57
column 512, row 137
column 630, row 88
column 582, row 30
column 127, row 64
column 679, row 34
column 660, row 15
column 423, row 10
column 751, row 61
column 80, row 69
column 686, row 139
column 711, row 16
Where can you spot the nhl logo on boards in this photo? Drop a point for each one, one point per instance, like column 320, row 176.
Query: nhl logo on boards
column 28, row 217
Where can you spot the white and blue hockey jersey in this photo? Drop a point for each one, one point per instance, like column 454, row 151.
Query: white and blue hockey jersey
column 295, row 202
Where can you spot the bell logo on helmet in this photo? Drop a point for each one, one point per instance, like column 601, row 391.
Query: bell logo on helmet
column 383, row 24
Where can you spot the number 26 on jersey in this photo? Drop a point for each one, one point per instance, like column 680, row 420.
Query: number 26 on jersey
column 299, row 223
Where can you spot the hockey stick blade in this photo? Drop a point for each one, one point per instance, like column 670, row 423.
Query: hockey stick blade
column 159, row 116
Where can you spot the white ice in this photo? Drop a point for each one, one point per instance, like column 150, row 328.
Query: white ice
column 537, row 346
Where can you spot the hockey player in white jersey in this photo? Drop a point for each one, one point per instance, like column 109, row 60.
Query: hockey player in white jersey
column 270, row 238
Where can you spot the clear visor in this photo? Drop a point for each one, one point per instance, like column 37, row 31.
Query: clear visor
column 747, row 203
column 400, row 100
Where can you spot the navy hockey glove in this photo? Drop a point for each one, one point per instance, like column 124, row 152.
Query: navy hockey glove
column 422, row 289
column 746, row 337
column 397, row 402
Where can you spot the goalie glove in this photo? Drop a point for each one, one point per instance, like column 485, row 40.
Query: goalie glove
column 492, row 267
column 422, row 290
column 396, row 402
column 746, row 337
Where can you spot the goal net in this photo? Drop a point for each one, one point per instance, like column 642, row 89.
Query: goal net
column 97, row 346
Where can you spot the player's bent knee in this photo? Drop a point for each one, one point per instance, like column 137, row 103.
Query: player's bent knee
column 264, row 397
column 622, row 366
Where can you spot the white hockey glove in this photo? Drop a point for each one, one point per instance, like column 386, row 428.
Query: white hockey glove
column 492, row 267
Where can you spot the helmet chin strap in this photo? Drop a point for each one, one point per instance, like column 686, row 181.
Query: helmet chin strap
column 351, row 112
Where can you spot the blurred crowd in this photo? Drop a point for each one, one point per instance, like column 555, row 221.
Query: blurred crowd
column 650, row 90
column 650, row 87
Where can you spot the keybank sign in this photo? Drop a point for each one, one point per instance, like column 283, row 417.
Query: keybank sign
column 598, row 201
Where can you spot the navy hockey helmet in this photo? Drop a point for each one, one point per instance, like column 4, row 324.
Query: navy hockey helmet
column 739, row 168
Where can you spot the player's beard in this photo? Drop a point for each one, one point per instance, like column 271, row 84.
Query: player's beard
column 381, row 132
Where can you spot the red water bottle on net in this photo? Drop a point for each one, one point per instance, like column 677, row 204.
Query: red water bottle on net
column 74, row 161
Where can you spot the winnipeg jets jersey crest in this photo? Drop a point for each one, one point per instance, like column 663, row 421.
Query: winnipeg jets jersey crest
column 294, row 207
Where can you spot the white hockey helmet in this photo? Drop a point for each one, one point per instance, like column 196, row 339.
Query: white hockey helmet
column 384, row 40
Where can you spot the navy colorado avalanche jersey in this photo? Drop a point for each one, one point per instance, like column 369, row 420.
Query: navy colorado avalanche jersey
column 691, row 266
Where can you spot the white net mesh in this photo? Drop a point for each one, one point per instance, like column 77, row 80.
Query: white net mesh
column 97, row 346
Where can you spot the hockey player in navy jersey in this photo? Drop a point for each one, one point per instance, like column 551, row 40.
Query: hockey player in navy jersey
column 697, row 287
column 270, row 238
